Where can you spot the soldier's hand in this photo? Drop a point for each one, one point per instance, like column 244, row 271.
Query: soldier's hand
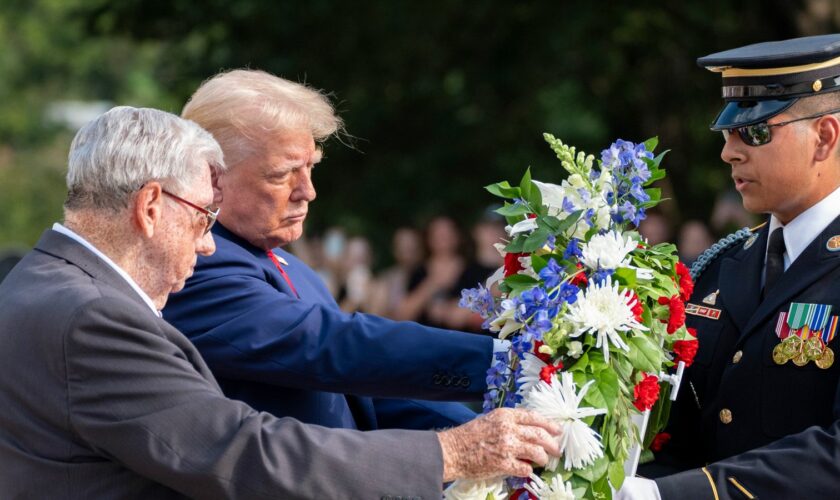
column 505, row 442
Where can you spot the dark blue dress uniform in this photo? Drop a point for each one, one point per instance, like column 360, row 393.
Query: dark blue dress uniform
column 744, row 425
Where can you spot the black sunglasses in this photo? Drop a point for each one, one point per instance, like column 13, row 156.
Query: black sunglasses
column 759, row 134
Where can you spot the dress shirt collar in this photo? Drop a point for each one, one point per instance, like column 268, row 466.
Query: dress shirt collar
column 802, row 230
column 59, row 228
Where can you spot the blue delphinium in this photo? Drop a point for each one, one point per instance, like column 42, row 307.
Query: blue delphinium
column 552, row 274
column 626, row 161
column 573, row 249
column 478, row 300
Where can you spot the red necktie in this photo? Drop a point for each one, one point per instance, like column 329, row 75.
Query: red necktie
column 282, row 271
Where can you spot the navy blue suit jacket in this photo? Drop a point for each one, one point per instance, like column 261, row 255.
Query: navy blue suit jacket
column 307, row 359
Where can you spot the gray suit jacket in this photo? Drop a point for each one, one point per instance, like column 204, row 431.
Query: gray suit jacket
column 100, row 398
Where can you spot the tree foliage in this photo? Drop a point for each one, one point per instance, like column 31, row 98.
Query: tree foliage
column 442, row 97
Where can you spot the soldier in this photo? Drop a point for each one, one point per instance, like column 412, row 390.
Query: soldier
column 761, row 403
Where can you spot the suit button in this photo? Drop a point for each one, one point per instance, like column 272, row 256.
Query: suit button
column 725, row 415
column 737, row 357
column 436, row 378
column 465, row 382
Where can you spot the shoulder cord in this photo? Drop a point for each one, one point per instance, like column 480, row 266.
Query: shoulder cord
column 711, row 253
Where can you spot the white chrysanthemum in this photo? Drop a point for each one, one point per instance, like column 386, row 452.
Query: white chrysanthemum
column 555, row 489
column 505, row 323
column 464, row 489
column 559, row 401
column 604, row 311
column 607, row 251
column 530, row 375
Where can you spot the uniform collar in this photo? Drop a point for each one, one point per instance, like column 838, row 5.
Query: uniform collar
column 803, row 229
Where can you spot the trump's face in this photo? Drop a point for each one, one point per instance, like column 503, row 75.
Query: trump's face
column 267, row 195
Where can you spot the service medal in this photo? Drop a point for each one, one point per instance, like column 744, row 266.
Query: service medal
column 813, row 348
column 779, row 356
column 800, row 359
column 826, row 359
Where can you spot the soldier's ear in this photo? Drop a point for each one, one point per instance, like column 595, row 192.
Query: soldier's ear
column 147, row 209
column 828, row 135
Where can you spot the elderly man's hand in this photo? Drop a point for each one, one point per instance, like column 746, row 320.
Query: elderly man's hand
column 502, row 443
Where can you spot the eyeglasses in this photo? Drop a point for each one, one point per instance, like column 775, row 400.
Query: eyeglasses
column 210, row 216
column 759, row 133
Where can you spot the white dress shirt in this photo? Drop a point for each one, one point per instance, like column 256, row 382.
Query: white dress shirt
column 801, row 231
column 85, row 243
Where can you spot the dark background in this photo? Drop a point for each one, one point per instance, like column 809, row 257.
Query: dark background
column 442, row 97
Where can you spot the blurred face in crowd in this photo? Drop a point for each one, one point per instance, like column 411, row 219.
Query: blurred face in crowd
column 182, row 236
column 267, row 195
column 407, row 247
column 443, row 236
column 786, row 176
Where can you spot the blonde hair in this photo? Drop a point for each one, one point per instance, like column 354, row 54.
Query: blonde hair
column 235, row 105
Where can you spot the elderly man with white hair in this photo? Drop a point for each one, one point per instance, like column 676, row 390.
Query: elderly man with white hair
column 265, row 322
column 104, row 399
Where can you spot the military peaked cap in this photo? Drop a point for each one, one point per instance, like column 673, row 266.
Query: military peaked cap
column 764, row 79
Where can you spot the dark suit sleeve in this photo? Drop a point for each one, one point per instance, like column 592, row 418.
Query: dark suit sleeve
column 803, row 465
column 137, row 397
column 247, row 330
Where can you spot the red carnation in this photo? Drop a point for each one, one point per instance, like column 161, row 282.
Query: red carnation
column 685, row 350
column 547, row 372
column 512, row 264
column 541, row 355
column 676, row 312
column 686, row 284
column 659, row 441
column 579, row 280
column 646, row 393
column 638, row 308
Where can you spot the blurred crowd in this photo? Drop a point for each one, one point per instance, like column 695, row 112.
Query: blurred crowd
column 429, row 266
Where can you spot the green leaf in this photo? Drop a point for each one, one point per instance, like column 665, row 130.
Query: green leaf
column 535, row 240
column 654, row 193
column 581, row 364
column 604, row 392
column 515, row 246
column 525, row 185
column 566, row 223
column 535, row 197
column 651, row 143
column 503, row 190
column 538, row 262
column 512, row 210
column 595, row 471
column 646, row 356
column 626, row 276
column 616, row 474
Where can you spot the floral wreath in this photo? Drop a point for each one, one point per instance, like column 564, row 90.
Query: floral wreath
column 595, row 317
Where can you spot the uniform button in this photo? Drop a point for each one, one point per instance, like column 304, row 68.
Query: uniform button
column 465, row 382
column 737, row 357
column 725, row 415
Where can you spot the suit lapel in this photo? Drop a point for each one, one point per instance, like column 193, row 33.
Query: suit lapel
column 63, row 247
column 814, row 262
column 740, row 278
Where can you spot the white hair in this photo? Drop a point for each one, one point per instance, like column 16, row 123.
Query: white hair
column 115, row 154
column 235, row 105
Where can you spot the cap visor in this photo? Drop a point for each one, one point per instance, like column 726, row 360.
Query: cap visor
column 743, row 113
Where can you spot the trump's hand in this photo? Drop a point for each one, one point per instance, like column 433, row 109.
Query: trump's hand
column 502, row 443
